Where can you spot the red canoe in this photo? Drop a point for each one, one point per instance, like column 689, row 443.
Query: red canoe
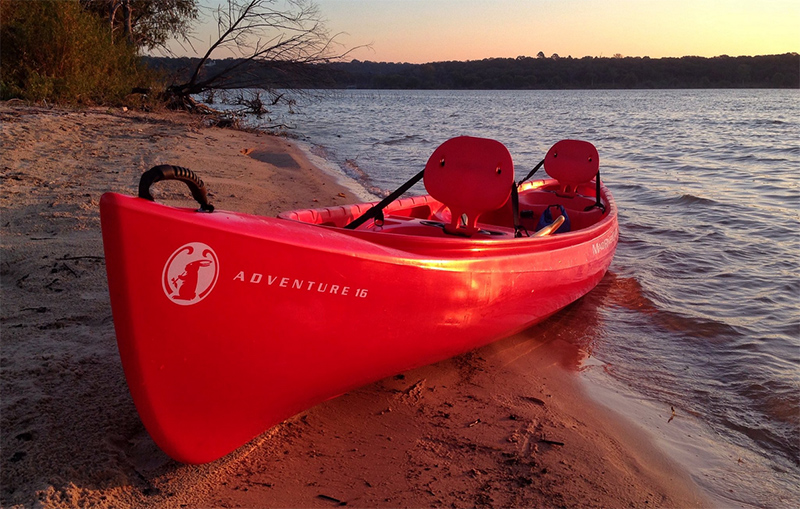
column 229, row 323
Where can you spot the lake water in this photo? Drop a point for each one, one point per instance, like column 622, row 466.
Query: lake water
column 700, row 311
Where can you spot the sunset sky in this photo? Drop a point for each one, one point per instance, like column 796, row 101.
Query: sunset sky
column 421, row 31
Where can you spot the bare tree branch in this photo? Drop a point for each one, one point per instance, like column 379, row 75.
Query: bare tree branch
column 285, row 37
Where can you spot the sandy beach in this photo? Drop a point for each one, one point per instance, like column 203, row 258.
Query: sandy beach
column 504, row 426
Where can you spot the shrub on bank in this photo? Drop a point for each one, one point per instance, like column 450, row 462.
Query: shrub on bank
column 54, row 50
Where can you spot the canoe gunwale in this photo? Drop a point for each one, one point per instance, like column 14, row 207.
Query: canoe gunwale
column 453, row 245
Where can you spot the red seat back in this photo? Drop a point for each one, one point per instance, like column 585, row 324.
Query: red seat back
column 572, row 162
column 470, row 176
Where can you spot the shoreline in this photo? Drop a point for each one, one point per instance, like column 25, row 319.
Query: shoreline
column 506, row 425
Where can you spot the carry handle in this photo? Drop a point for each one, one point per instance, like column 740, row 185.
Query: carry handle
column 169, row 172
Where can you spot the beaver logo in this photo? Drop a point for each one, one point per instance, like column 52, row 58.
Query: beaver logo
column 190, row 273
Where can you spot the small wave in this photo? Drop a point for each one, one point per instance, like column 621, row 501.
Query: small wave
column 410, row 138
column 350, row 168
column 690, row 199
column 628, row 293
column 353, row 170
column 377, row 191
column 320, row 151
column 696, row 327
column 686, row 199
column 627, row 186
column 351, row 165
column 760, row 121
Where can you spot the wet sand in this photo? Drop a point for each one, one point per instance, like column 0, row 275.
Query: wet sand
column 504, row 426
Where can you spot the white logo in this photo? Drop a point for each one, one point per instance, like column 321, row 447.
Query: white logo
column 190, row 273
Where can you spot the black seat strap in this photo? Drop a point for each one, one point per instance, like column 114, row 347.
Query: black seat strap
column 534, row 170
column 518, row 228
column 598, row 204
column 377, row 209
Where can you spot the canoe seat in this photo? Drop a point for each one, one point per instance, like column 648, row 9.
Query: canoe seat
column 470, row 176
column 571, row 163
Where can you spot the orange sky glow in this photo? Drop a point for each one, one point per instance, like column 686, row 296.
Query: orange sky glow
column 420, row 31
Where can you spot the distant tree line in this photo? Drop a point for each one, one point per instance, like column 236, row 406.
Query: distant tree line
column 769, row 71
column 773, row 71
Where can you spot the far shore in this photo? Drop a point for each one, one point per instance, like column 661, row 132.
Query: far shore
column 507, row 425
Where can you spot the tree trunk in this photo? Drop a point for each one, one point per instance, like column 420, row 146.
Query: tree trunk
column 113, row 7
column 126, row 5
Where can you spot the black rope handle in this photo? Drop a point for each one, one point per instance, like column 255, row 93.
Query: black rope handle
column 169, row 172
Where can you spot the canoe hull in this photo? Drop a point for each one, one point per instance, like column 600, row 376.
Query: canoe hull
column 228, row 324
